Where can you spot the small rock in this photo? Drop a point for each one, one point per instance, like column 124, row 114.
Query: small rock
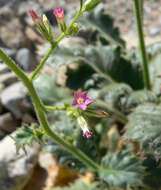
column 154, row 31
column 33, row 36
column 7, row 123
column 16, row 170
column 45, row 160
column 14, row 99
column 2, row 134
column 25, row 59
column 10, row 52
column 4, row 68
column 8, row 2
column 12, row 33
column 8, row 79
column 27, row 118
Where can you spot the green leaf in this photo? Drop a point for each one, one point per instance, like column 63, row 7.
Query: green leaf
column 48, row 91
column 136, row 98
column 144, row 126
column 154, row 52
column 107, row 61
column 26, row 135
column 80, row 186
column 121, row 169
column 100, row 26
column 115, row 94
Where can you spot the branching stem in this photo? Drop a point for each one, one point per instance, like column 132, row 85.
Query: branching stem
column 41, row 114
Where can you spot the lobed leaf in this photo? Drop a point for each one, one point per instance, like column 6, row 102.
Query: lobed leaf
column 27, row 135
column 121, row 170
column 48, row 91
column 100, row 26
column 144, row 126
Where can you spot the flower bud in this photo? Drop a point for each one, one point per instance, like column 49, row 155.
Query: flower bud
column 90, row 4
column 84, row 126
column 36, row 19
column 59, row 14
column 73, row 30
column 43, row 25
column 46, row 21
column 48, row 28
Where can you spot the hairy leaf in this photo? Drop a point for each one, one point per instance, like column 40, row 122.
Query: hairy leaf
column 106, row 61
column 144, row 126
column 115, row 94
column 121, row 169
column 27, row 135
column 100, row 26
column 48, row 91
column 136, row 98
column 154, row 52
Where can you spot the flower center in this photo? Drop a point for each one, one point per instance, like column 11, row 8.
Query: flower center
column 80, row 101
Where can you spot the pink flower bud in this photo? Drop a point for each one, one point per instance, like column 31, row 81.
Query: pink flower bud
column 35, row 17
column 84, row 126
column 59, row 13
column 87, row 134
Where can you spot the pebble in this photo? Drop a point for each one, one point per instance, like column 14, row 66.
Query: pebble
column 154, row 31
column 7, row 123
column 8, row 78
column 16, row 169
column 14, row 99
column 25, row 59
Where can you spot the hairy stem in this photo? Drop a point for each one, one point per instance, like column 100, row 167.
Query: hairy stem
column 41, row 115
column 53, row 46
column 142, row 45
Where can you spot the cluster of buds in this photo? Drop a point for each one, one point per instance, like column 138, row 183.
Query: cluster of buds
column 43, row 25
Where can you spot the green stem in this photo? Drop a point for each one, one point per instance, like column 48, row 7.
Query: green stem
column 142, row 9
column 79, row 13
column 53, row 108
column 142, row 45
column 53, row 45
column 41, row 115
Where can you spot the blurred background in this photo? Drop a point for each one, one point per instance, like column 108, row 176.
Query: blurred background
column 20, row 39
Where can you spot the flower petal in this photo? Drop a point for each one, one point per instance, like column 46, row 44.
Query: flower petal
column 88, row 101
column 74, row 102
column 83, row 106
column 87, row 134
column 76, row 95
column 84, row 95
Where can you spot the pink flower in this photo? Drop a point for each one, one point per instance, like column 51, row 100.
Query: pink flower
column 35, row 17
column 81, row 100
column 59, row 13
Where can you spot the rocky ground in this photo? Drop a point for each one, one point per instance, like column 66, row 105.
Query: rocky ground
column 20, row 39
